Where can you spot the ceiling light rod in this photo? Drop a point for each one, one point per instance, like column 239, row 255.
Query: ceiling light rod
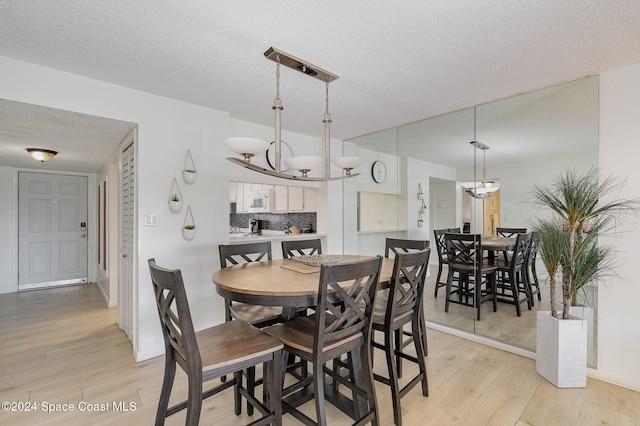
column 298, row 64
column 249, row 147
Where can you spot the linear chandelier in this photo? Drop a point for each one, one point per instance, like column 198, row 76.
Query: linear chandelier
column 485, row 188
column 249, row 147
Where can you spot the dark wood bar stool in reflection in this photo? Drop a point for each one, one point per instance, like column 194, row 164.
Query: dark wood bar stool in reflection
column 531, row 274
column 395, row 246
column 512, row 286
column 212, row 353
column 438, row 237
column 476, row 277
column 292, row 248
column 340, row 325
column 402, row 305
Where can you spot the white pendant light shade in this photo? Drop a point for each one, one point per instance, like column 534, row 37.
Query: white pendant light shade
column 304, row 163
column 348, row 163
column 247, row 147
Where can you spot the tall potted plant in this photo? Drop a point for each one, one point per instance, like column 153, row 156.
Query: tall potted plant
column 568, row 243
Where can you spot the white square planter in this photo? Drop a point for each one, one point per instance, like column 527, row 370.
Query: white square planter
column 561, row 350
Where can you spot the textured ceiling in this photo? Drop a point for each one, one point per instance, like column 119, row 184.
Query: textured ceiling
column 398, row 62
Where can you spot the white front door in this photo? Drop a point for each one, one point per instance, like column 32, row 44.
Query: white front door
column 52, row 230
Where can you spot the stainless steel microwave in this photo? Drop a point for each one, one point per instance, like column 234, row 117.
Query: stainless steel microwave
column 261, row 201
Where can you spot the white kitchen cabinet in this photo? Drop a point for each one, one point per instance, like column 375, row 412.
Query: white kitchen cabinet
column 296, row 198
column 282, row 198
column 233, row 191
column 237, row 195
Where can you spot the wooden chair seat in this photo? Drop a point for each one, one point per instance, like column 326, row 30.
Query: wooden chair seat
column 226, row 345
column 260, row 316
column 298, row 334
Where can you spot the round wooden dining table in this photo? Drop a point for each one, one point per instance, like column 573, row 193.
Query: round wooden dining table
column 282, row 282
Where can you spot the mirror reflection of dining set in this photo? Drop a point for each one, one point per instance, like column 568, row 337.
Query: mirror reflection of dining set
column 300, row 329
column 496, row 268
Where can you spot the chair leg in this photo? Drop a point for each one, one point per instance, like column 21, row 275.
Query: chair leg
column 272, row 384
column 448, row 292
column 423, row 331
column 422, row 365
column 476, row 293
column 167, row 385
column 392, row 366
column 237, row 398
column 435, row 293
column 398, row 344
column 194, row 403
column 318, row 391
column 251, row 387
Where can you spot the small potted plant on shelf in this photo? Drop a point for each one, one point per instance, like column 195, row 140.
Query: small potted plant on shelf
column 568, row 244
column 175, row 204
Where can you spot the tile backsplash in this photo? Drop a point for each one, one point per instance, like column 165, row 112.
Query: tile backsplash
column 276, row 221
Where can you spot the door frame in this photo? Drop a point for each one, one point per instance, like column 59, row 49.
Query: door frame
column 92, row 233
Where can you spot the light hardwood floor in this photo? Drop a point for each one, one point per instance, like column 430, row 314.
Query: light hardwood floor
column 61, row 346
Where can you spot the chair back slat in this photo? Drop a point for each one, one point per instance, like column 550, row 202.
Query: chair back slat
column 396, row 245
column 234, row 254
column 407, row 283
column 464, row 249
column 520, row 251
column 175, row 318
column 291, row 248
column 346, row 297
column 509, row 232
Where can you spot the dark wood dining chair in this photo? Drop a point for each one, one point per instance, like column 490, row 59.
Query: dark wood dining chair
column 292, row 248
column 256, row 315
column 476, row 277
column 235, row 254
column 512, row 286
column 402, row 305
column 508, row 233
column 531, row 275
column 211, row 353
column 441, row 251
column 394, row 246
column 340, row 325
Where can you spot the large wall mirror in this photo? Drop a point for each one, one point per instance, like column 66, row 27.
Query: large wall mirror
column 531, row 138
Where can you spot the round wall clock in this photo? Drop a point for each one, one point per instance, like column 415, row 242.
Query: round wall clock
column 285, row 152
column 379, row 171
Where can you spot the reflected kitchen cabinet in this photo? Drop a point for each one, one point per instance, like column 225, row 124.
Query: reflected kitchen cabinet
column 296, row 198
column 282, row 198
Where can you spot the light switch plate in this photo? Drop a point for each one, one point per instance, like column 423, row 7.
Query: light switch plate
column 151, row 219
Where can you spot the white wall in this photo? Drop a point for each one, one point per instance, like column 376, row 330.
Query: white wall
column 8, row 246
column 618, row 324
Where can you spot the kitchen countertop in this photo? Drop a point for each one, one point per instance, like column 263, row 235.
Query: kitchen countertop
column 270, row 236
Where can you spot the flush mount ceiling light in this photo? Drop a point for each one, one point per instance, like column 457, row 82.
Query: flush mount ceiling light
column 41, row 155
column 249, row 147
